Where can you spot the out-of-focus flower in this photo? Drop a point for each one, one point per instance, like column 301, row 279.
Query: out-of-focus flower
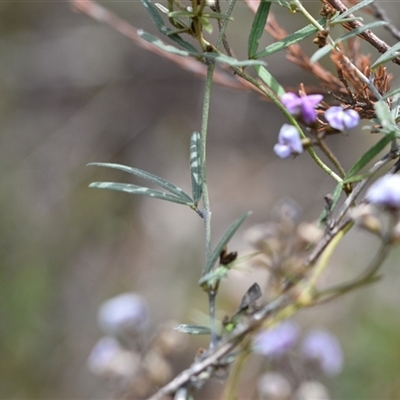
column 274, row 386
column 303, row 106
column 311, row 390
column 342, row 119
column 109, row 360
column 277, row 340
column 323, row 347
column 127, row 312
column 289, row 142
column 385, row 191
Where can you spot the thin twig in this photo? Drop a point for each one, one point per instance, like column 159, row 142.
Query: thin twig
column 215, row 355
column 368, row 35
column 380, row 13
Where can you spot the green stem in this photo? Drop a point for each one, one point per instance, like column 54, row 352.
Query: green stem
column 203, row 134
column 322, row 145
column 206, row 200
column 222, row 28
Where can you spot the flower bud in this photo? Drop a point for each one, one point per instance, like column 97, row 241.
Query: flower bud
column 274, row 386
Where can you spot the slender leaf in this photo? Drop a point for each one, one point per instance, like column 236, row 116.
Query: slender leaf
column 233, row 62
column 370, row 155
column 177, row 191
column 389, row 55
column 196, row 167
column 166, row 47
column 257, row 28
column 359, row 30
column 351, row 10
column 193, row 329
column 289, row 40
column 270, row 81
column 391, row 93
column 323, row 51
column 383, row 112
column 135, row 189
column 159, row 23
column 224, row 241
column 214, row 276
column 192, row 14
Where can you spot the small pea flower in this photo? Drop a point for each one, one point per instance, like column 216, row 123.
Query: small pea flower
column 303, row 106
column 123, row 313
column 385, row 192
column 342, row 119
column 322, row 346
column 289, row 142
column 277, row 340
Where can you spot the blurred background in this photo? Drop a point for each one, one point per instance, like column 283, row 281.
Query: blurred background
column 73, row 91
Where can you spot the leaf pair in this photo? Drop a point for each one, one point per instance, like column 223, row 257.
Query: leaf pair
column 173, row 193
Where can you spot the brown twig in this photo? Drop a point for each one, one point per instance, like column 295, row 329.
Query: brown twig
column 368, row 35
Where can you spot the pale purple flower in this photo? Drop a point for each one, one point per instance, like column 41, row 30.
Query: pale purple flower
column 323, row 347
column 303, row 106
column 385, row 191
column 277, row 340
column 126, row 312
column 289, row 142
column 342, row 119
column 108, row 358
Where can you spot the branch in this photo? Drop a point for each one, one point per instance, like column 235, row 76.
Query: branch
column 101, row 14
column 215, row 356
column 368, row 35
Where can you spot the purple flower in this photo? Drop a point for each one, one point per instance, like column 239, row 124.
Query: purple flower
column 108, row 358
column 277, row 340
column 289, row 142
column 342, row 119
column 322, row 346
column 126, row 312
column 302, row 105
column 385, row 191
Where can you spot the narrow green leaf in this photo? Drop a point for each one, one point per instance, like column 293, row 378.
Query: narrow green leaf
column 356, row 178
column 323, row 51
column 159, row 23
column 233, row 62
column 389, row 55
column 196, row 167
column 154, row 15
column 135, row 189
column 193, row 329
column 269, row 80
column 257, row 28
column 191, row 14
column 351, row 10
column 289, row 40
column 177, row 191
column 383, row 113
column 223, row 242
column 370, row 155
column 391, row 93
column 166, row 47
column 359, row 30
column 214, row 276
